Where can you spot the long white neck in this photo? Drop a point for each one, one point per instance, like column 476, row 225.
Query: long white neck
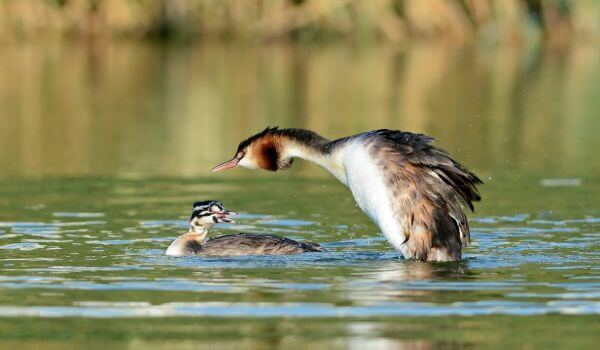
column 199, row 232
column 331, row 161
column 199, row 229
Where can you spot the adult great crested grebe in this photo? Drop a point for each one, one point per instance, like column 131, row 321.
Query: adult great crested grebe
column 411, row 189
column 208, row 213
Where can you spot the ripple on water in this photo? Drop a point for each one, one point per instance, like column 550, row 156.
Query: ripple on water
column 286, row 222
column 23, row 246
column 499, row 219
column 155, row 257
column 162, row 223
column 77, row 215
column 53, row 230
column 364, row 275
column 129, row 241
column 163, row 284
column 292, row 309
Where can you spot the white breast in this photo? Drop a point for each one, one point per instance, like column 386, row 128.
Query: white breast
column 176, row 248
column 368, row 186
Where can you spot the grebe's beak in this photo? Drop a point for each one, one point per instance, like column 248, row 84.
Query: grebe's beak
column 226, row 165
column 224, row 216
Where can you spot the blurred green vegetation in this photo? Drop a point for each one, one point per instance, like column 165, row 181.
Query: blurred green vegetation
column 301, row 20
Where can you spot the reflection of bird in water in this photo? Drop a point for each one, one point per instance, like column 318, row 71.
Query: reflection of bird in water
column 208, row 213
column 412, row 190
column 390, row 283
column 407, row 281
column 373, row 335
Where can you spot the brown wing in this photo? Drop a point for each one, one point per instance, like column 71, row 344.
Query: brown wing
column 255, row 244
column 418, row 150
column 429, row 188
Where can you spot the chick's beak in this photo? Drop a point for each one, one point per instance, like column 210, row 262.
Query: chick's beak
column 226, row 165
column 224, row 216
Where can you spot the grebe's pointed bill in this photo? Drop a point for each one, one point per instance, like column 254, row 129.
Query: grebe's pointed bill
column 225, row 215
column 232, row 163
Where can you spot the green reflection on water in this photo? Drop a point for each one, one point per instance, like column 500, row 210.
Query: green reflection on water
column 128, row 109
column 495, row 332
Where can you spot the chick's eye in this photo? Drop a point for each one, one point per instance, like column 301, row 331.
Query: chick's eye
column 215, row 208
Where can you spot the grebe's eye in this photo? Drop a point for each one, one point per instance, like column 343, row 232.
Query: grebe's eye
column 215, row 208
column 240, row 155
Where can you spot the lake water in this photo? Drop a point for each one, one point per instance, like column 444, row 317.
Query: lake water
column 104, row 148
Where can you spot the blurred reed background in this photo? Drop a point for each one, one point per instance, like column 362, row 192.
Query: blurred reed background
column 161, row 110
column 168, row 88
column 393, row 20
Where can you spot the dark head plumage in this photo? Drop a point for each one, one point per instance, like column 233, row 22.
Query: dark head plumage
column 205, row 208
column 307, row 137
column 204, row 203
column 247, row 142
column 269, row 149
column 209, row 213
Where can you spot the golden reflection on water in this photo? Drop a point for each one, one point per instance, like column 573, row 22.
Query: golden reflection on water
column 131, row 109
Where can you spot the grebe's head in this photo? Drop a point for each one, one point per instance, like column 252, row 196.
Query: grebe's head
column 264, row 150
column 206, row 214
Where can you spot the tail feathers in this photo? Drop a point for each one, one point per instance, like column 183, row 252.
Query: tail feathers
column 463, row 182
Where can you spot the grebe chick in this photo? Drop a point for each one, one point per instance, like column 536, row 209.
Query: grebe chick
column 412, row 190
column 208, row 213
